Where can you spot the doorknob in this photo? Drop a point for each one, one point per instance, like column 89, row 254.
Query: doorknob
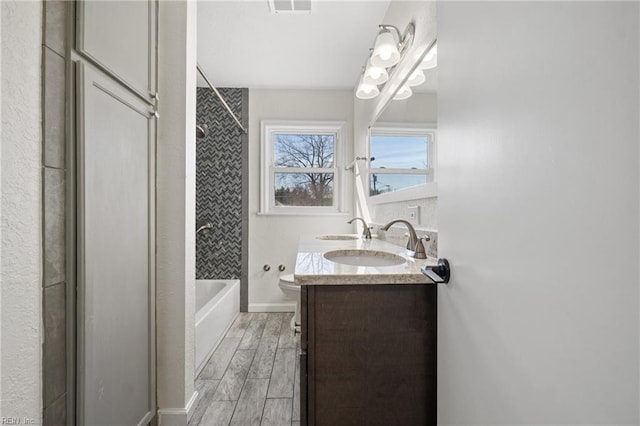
column 439, row 274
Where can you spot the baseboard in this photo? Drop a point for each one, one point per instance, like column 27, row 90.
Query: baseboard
column 272, row 307
column 178, row 416
column 191, row 405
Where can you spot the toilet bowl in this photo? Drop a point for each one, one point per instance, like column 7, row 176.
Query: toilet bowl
column 292, row 292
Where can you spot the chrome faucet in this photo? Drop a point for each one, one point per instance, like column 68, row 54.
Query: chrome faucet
column 205, row 228
column 415, row 247
column 366, row 232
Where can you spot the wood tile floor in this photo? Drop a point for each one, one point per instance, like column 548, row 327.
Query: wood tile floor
column 252, row 377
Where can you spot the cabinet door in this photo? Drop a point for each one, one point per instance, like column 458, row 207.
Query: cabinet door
column 116, row 228
column 371, row 355
column 120, row 37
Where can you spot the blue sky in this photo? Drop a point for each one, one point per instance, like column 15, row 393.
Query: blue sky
column 401, row 152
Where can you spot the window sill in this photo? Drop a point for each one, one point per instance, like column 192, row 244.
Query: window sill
column 428, row 190
column 302, row 213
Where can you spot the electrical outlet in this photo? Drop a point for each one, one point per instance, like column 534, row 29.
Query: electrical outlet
column 414, row 214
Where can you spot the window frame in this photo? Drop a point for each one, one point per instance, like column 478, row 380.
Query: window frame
column 268, row 128
column 425, row 190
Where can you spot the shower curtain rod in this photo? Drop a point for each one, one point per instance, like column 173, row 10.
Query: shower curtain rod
column 221, row 98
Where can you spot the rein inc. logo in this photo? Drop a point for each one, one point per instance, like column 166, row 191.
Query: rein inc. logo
column 17, row 421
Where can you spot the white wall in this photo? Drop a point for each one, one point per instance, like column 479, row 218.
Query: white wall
column 538, row 213
column 20, row 267
column 274, row 239
column 1, row 277
column 176, row 210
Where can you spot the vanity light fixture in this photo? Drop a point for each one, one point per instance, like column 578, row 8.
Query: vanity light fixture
column 367, row 91
column 416, row 78
column 431, row 58
column 385, row 51
column 388, row 50
column 404, row 92
column 374, row 74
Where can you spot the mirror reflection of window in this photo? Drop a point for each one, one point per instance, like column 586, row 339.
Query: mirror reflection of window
column 401, row 159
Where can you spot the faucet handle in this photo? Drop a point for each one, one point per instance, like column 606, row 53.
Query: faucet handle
column 419, row 251
column 366, row 232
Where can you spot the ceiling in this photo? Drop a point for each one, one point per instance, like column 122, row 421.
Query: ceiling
column 242, row 44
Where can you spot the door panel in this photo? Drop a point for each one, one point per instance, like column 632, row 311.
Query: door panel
column 538, row 191
column 116, row 240
column 120, row 36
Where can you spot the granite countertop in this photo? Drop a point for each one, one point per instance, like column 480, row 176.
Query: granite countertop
column 312, row 268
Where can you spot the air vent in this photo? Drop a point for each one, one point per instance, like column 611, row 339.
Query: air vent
column 290, row 6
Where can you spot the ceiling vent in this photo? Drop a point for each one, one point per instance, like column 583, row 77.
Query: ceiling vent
column 290, row 6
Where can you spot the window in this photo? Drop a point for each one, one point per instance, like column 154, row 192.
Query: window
column 403, row 162
column 300, row 172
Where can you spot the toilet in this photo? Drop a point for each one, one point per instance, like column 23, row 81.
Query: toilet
column 292, row 292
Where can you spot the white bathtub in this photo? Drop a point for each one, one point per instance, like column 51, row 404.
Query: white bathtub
column 217, row 305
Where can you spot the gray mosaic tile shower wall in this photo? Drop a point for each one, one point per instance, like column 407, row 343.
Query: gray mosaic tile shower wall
column 219, row 185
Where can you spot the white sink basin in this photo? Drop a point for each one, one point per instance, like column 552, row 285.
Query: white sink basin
column 337, row 237
column 358, row 257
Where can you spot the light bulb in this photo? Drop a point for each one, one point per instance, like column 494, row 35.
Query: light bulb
column 416, row 78
column 374, row 75
column 385, row 52
column 403, row 92
column 367, row 91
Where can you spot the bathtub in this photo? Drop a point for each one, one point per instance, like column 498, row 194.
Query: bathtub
column 217, row 305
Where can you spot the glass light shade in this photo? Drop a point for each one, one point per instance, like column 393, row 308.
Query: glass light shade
column 375, row 75
column 416, row 78
column 403, row 92
column 385, row 52
column 367, row 91
column 431, row 59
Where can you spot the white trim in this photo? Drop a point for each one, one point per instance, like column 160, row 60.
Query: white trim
column 299, row 212
column 178, row 416
column 272, row 307
column 267, row 170
column 388, row 125
column 390, row 171
column 191, row 405
column 427, row 190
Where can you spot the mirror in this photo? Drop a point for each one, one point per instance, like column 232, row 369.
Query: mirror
column 402, row 141
column 401, row 178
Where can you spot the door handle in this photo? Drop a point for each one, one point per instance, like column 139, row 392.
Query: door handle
column 439, row 274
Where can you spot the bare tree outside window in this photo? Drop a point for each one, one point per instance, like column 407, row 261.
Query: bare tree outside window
column 304, row 169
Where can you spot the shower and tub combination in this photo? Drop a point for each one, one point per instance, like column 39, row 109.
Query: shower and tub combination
column 217, row 305
column 220, row 210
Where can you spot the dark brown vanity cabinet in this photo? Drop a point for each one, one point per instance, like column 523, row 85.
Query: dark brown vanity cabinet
column 368, row 355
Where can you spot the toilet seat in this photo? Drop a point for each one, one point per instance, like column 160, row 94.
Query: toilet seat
column 289, row 279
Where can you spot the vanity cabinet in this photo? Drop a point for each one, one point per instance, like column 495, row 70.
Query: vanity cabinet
column 368, row 354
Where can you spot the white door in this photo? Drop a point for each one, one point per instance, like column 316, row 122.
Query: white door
column 116, row 276
column 538, row 212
